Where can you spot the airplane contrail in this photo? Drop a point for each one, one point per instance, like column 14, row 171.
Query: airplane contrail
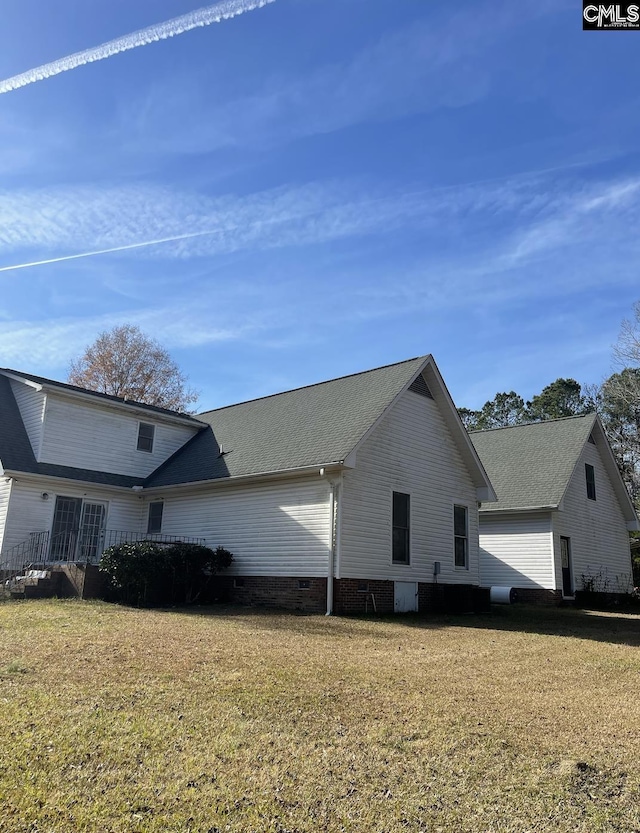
column 159, row 31
column 129, row 246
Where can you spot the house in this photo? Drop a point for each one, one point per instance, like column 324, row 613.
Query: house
column 562, row 518
column 357, row 493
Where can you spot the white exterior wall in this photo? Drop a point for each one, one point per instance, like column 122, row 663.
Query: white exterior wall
column 5, row 494
column 516, row 550
column 275, row 529
column 31, row 403
column 596, row 528
column 410, row 451
column 29, row 512
column 104, row 439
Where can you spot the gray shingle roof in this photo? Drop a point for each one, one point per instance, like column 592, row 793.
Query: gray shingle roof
column 16, row 453
column 314, row 425
column 530, row 465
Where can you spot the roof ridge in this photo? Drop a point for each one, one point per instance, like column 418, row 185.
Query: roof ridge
column 534, row 422
column 312, row 385
column 98, row 393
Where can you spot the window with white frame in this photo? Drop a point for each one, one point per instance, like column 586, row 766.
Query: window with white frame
column 401, row 512
column 154, row 522
column 461, row 536
column 146, row 433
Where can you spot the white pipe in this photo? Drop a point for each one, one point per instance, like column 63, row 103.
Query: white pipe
column 332, row 516
column 338, row 546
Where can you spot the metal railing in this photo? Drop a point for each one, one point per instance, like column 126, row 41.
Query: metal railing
column 15, row 560
column 43, row 549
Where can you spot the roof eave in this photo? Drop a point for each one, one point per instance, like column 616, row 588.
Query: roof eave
column 18, row 474
column 511, row 509
column 278, row 474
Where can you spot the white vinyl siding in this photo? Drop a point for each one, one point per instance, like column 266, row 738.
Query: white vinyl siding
column 516, row 550
column 5, row 494
column 276, row 529
column 29, row 512
column 31, row 403
column 103, row 439
column 411, row 451
column 596, row 528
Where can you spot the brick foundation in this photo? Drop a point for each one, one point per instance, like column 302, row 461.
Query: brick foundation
column 350, row 597
column 276, row 591
column 84, row 581
column 539, row 596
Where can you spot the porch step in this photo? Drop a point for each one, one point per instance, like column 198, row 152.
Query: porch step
column 29, row 587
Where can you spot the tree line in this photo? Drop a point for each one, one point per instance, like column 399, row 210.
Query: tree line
column 616, row 400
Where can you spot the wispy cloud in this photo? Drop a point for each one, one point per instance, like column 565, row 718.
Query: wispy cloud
column 443, row 61
column 151, row 34
column 525, row 217
column 55, row 342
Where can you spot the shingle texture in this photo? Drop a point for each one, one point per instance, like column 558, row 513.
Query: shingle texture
column 314, row 425
column 16, row 453
column 530, row 465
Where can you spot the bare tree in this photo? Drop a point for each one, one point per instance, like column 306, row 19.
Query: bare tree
column 626, row 352
column 125, row 362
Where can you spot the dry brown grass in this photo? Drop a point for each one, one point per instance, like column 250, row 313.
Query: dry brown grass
column 126, row 720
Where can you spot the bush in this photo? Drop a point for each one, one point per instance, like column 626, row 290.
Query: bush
column 148, row 574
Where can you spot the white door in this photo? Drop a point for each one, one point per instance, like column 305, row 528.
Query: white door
column 405, row 596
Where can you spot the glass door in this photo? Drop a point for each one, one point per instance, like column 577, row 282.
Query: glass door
column 64, row 532
column 77, row 530
column 91, row 529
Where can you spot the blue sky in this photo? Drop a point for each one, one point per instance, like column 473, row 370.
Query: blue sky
column 357, row 182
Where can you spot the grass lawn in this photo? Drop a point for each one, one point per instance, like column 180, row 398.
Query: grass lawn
column 115, row 719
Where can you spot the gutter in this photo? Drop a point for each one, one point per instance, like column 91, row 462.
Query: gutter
column 520, row 509
column 248, row 478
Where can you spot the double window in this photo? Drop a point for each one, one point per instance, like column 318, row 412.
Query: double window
column 400, row 547
column 146, row 433
column 461, row 536
column 590, row 474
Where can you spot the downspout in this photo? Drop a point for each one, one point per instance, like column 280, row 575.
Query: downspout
column 338, row 545
column 332, row 518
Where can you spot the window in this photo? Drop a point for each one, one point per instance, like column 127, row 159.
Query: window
column 238, row 583
column 400, row 553
column 590, row 473
column 304, row 584
column 461, row 537
column 145, row 436
column 154, row 524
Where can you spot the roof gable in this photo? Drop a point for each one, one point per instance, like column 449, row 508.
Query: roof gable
column 313, row 425
column 96, row 396
column 16, row 453
column 531, row 465
column 316, row 425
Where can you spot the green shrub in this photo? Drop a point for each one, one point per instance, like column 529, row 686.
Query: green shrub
column 149, row 574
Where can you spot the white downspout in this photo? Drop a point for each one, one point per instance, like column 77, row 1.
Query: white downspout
column 338, row 547
column 332, row 517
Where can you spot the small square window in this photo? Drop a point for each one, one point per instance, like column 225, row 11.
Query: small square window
column 154, row 523
column 238, row 583
column 145, row 436
column 304, row 584
column 590, row 474
column 363, row 587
